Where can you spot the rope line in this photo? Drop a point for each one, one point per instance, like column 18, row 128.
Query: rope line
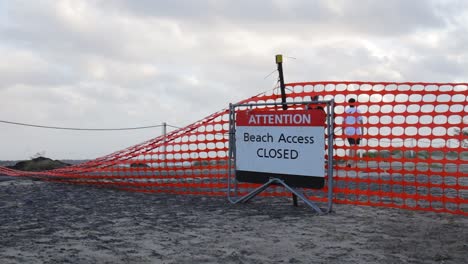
column 80, row 129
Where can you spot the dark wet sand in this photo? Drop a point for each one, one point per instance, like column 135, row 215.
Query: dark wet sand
column 43, row 222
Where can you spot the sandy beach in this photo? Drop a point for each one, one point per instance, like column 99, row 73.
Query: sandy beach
column 44, row 222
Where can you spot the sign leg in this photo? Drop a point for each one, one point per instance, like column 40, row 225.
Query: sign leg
column 294, row 197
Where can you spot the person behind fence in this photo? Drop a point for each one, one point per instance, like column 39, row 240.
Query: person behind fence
column 353, row 129
column 315, row 106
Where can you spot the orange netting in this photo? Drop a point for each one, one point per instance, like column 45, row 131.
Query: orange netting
column 413, row 153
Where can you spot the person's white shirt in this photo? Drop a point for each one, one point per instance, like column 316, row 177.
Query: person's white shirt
column 352, row 127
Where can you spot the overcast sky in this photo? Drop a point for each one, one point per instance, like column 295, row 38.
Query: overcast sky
column 106, row 64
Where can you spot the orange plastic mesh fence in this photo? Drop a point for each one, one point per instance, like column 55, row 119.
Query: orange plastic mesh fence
column 413, row 152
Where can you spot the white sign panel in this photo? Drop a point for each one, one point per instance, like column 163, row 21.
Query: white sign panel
column 282, row 142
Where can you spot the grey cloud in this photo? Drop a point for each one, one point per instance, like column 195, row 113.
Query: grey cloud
column 51, row 31
column 435, row 68
column 25, row 67
column 374, row 17
column 455, row 42
column 389, row 17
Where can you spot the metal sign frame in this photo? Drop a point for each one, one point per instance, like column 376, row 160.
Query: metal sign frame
column 232, row 157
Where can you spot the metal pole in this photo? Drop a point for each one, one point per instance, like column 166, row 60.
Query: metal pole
column 230, row 152
column 279, row 62
column 163, row 147
column 331, row 135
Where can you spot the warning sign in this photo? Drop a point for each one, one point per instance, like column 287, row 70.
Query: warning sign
column 281, row 142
